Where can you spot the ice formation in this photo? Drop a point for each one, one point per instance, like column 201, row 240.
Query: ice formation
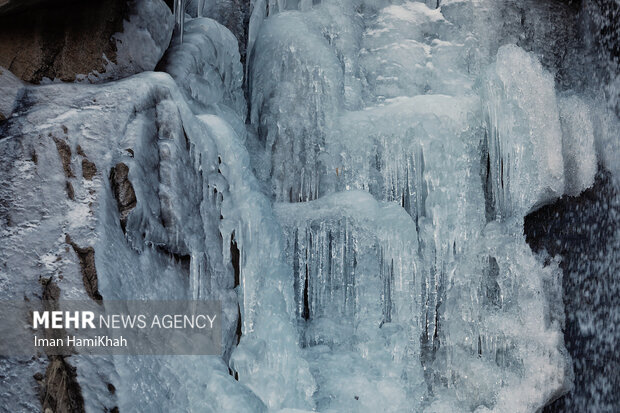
column 362, row 223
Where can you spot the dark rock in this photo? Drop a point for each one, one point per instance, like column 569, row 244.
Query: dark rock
column 11, row 90
column 89, row 169
column 60, row 39
column 61, row 391
column 94, row 40
column 89, row 271
column 583, row 231
column 70, row 191
column 64, row 151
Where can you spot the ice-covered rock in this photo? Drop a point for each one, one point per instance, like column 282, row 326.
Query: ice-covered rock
column 132, row 176
column 11, row 90
column 142, row 42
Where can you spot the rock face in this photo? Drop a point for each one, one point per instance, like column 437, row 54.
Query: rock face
column 93, row 41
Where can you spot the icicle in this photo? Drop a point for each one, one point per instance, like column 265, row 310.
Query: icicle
column 200, row 8
column 179, row 18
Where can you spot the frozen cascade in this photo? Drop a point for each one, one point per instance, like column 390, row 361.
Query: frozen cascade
column 362, row 223
column 207, row 67
column 523, row 129
column 417, row 111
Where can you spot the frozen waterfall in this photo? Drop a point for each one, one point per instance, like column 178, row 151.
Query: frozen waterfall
column 350, row 178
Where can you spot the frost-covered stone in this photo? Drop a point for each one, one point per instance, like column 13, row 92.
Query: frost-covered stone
column 145, row 37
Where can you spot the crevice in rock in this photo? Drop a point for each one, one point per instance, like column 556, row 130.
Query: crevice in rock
column 306, row 312
column 88, row 269
column 123, row 192
column 70, row 191
column 486, row 178
column 239, row 331
column 59, row 389
column 235, row 256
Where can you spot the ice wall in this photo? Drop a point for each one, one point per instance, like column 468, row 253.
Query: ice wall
column 425, row 111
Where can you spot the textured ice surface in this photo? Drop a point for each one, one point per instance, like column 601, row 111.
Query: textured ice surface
column 577, row 144
column 524, row 134
column 413, row 129
column 357, row 294
column 207, row 67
